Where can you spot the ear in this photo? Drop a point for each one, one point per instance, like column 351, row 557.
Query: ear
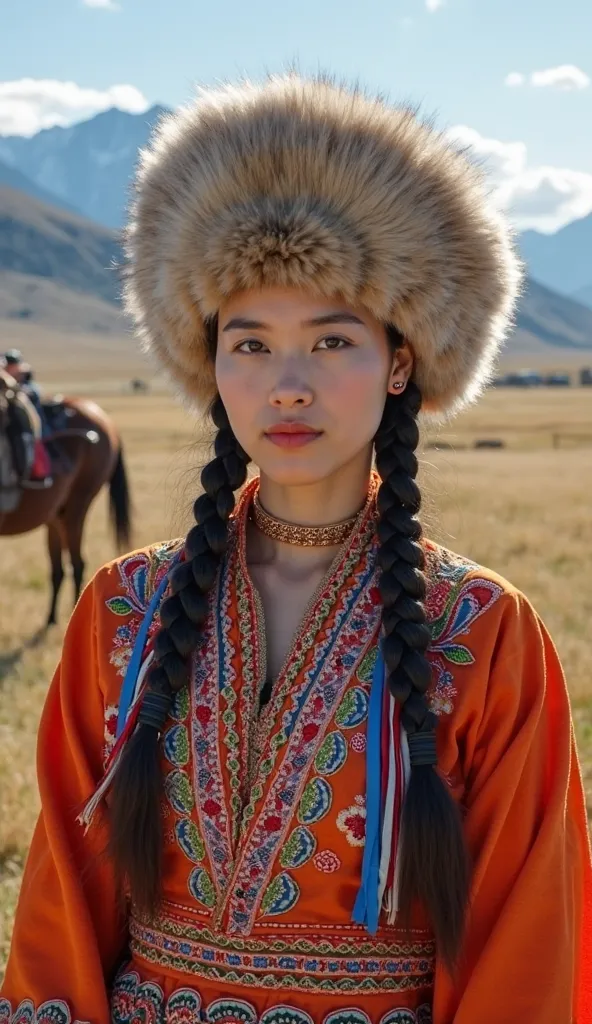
column 401, row 369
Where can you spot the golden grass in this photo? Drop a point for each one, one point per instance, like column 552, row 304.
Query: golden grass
column 523, row 510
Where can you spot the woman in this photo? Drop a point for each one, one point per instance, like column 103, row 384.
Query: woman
column 338, row 783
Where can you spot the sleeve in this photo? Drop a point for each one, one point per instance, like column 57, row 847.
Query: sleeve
column 528, row 949
column 68, row 933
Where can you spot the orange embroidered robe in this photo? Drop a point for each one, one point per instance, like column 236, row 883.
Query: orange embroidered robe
column 264, row 818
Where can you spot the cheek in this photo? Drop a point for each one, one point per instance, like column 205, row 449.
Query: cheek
column 238, row 391
column 357, row 398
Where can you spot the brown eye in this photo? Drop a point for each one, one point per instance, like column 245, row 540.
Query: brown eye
column 333, row 342
column 253, row 346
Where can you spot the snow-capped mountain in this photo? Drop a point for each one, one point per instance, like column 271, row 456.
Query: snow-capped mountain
column 87, row 166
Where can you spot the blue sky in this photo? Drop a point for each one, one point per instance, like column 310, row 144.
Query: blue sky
column 61, row 60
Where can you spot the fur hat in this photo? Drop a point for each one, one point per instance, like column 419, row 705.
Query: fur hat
column 309, row 184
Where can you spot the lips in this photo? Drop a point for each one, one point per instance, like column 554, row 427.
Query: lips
column 292, row 434
column 291, row 427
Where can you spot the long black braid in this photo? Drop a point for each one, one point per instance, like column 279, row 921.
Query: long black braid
column 434, row 862
column 136, row 843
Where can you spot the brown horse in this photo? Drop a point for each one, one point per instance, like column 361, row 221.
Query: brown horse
column 93, row 457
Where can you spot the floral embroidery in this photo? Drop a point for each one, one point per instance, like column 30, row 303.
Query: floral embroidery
column 179, row 792
column 327, row 862
column 280, row 896
column 344, row 960
column 140, row 575
column 201, row 887
column 352, row 822
column 312, row 702
column 353, row 709
column 134, row 1000
column 109, row 733
column 54, row 1011
column 299, row 849
column 211, row 723
column 243, row 818
column 358, row 742
column 453, row 604
column 332, row 754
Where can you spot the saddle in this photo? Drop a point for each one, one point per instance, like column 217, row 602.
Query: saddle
column 55, row 414
column 25, row 461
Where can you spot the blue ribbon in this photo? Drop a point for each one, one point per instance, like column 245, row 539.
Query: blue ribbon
column 366, row 909
column 133, row 668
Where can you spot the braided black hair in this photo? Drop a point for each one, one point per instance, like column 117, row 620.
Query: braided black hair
column 136, row 841
column 434, row 866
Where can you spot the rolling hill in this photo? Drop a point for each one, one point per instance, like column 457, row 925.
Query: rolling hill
column 47, row 242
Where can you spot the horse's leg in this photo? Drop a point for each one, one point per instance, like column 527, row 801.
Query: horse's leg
column 74, row 527
column 54, row 546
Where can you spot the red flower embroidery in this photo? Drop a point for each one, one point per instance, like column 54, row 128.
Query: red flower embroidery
column 326, row 861
column 309, row 732
column 273, row 823
column 352, row 822
column 203, row 714
column 211, row 807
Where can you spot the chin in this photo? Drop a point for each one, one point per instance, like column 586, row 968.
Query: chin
column 294, row 470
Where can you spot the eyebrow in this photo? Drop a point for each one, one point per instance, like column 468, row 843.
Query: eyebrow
column 240, row 323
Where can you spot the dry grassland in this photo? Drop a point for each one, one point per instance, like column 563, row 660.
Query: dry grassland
column 524, row 510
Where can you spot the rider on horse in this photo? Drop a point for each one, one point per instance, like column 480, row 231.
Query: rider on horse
column 40, row 470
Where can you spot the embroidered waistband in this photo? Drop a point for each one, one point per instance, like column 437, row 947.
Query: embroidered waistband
column 133, row 1000
column 353, row 964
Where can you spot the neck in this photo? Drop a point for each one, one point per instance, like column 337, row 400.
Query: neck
column 320, row 503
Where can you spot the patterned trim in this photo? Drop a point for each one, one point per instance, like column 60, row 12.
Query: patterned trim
column 208, row 721
column 133, row 1000
column 334, row 964
column 333, row 640
column 243, row 815
column 140, row 575
column 53, row 1011
column 453, row 605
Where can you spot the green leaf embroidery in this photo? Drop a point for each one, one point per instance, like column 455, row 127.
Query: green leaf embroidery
column 119, row 606
column 458, row 655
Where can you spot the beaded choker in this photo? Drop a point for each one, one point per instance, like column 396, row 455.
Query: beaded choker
column 302, row 536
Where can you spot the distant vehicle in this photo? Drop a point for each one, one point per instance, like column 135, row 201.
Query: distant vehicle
column 523, row 379
column 586, row 377
column 558, row 380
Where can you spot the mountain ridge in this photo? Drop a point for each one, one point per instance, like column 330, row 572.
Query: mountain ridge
column 88, row 165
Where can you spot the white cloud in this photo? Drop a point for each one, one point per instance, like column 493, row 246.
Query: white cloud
column 30, row 104
column 434, row 5
column 541, row 197
column 566, row 77
column 514, row 79
column 108, row 5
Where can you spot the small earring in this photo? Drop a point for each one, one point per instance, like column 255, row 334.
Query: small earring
column 399, row 384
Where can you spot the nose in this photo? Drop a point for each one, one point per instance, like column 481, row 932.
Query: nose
column 290, row 391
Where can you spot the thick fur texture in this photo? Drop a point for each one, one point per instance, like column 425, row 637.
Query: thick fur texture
column 308, row 184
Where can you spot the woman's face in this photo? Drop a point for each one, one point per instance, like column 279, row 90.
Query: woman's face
column 304, row 381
